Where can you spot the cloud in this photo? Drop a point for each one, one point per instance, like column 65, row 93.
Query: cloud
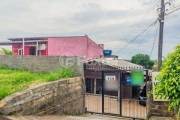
column 113, row 23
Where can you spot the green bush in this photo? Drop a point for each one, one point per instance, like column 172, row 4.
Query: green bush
column 7, row 52
column 14, row 80
column 169, row 84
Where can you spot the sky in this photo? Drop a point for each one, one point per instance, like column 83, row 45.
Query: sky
column 112, row 23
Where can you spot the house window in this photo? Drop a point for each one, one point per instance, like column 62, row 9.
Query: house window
column 32, row 50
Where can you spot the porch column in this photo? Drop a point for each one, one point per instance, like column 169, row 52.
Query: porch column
column 23, row 48
column 94, row 86
column 37, row 49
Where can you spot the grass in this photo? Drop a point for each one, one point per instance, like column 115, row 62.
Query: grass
column 14, row 80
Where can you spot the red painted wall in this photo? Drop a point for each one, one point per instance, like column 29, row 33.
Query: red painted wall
column 67, row 46
column 74, row 46
column 15, row 49
column 26, row 51
column 44, row 52
column 94, row 50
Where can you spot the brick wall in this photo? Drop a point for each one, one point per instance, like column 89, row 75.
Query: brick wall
column 43, row 63
column 156, row 108
column 65, row 96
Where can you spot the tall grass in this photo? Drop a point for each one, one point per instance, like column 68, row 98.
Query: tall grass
column 14, row 80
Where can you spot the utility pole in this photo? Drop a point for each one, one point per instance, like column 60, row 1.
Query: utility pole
column 161, row 22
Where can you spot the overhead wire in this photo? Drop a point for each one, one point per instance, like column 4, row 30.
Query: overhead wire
column 136, row 37
column 126, row 35
column 155, row 37
column 140, row 41
column 174, row 10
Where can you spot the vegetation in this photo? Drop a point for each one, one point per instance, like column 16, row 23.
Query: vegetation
column 14, row 80
column 169, row 84
column 7, row 52
column 143, row 60
column 155, row 66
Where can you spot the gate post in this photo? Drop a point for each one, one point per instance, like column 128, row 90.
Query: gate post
column 102, row 92
column 120, row 94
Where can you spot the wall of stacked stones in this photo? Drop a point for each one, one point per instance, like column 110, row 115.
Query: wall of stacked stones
column 66, row 96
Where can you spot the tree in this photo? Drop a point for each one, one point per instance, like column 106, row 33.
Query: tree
column 169, row 84
column 7, row 52
column 143, row 60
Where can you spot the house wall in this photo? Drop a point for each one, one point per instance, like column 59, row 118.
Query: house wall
column 26, row 51
column 44, row 52
column 94, row 50
column 69, row 46
column 15, row 49
column 74, row 46
column 26, row 47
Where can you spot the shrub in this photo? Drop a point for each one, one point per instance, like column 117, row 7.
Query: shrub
column 169, row 84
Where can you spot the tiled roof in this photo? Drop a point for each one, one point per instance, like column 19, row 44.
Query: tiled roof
column 116, row 63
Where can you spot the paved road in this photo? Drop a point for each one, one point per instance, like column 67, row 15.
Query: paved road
column 85, row 117
column 53, row 117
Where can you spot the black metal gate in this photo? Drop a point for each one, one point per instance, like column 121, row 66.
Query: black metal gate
column 118, row 102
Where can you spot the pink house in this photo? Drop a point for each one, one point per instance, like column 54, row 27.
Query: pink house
column 56, row 46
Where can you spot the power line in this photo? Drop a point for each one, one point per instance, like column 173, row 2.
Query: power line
column 137, row 37
column 126, row 35
column 176, row 9
column 140, row 42
column 154, row 41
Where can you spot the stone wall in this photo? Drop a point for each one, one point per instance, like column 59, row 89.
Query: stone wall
column 65, row 96
column 156, row 108
column 43, row 63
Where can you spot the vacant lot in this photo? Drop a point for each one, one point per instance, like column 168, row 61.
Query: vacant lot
column 14, row 80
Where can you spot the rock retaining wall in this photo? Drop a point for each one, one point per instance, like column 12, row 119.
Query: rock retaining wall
column 65, row 96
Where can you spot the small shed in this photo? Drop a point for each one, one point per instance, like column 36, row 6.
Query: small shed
column 93, row 75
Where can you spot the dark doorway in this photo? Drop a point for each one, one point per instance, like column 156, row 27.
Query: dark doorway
column 32, row 50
